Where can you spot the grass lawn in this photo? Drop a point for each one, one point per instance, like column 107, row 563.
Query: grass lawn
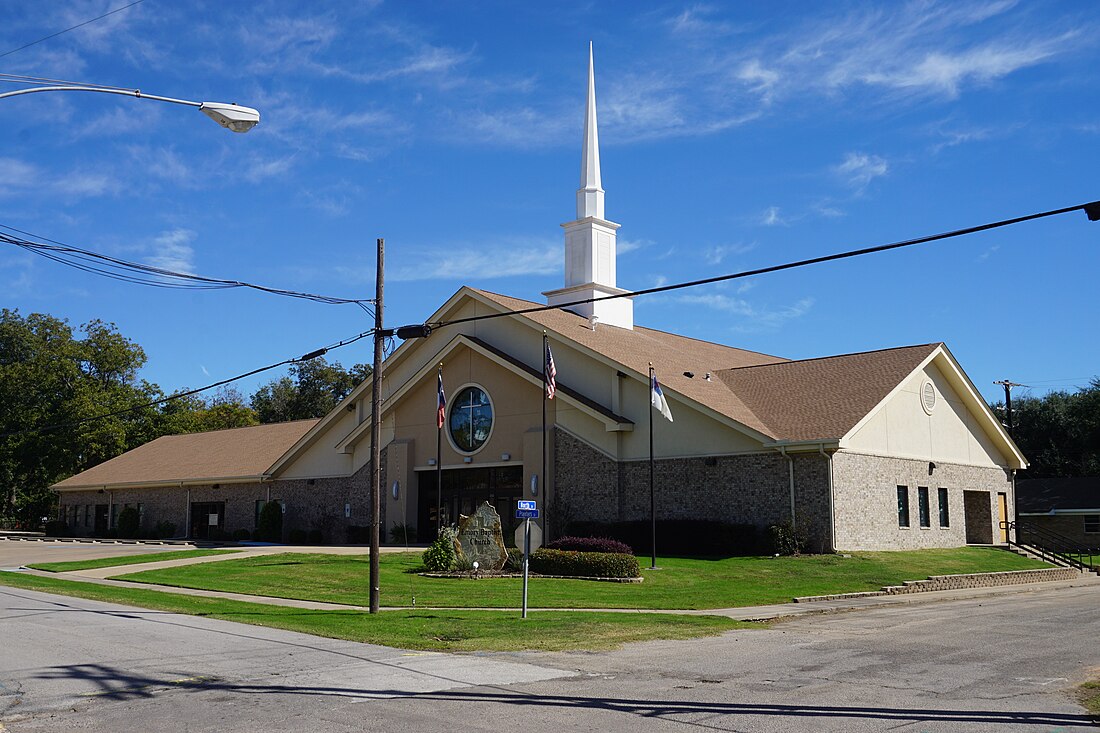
column 429, row 630
column 110, row 562
column 1089, row 696
column 681, row 583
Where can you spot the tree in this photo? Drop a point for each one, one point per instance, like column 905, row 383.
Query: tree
column 50, row 378
column 1059, row 433
column 312, row 389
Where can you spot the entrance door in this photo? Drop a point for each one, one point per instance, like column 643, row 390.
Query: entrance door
column 464, row 489
column 208, row 520
column 100, row 519
column 1002, row 516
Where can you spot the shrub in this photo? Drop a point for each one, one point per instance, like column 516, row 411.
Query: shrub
column 790, row 540
column 693, row 537
column 56, row 528
column 297, row 537
column 585, row 564
column 315, row 537
column 440, row 556
column 269, row 527
column 242, row 535
column 401, row 534
column 129, row 522
column 514, row 563
column 164, row 529
column 589, row 544
column 358, row 534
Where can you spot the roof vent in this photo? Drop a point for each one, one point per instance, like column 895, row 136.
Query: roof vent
column 689, row 375
column 593, row 321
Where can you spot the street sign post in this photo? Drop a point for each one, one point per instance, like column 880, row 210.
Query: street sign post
column 527, row 510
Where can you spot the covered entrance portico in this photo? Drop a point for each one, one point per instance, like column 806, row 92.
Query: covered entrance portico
column 464, row 489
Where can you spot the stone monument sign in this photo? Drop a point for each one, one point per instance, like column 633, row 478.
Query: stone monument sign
column 480, row 539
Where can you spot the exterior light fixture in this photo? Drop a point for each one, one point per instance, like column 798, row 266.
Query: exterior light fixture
column 534, row 484
column 396, row 488
column 1093, row 211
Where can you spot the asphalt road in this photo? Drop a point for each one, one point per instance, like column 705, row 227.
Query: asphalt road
column 996, row 664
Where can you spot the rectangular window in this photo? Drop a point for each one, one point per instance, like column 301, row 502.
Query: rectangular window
column 923, row 514
column 903, row 506
column 87, row 515
column 945, row 512
column 1092, row 523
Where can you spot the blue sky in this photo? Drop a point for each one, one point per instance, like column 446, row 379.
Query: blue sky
column 733, row 136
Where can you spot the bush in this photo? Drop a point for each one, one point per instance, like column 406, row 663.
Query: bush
column 589, row 544
column 401, row 534
column 242, row 535
column 790, row 540
column 514, row 562
column 692, row 537
column 584, row 564
column 440, row 557
column 315, row 537
column 269, row 527
column 129, row 523
column 163, row 530
column 297, row 537
column 56, row 528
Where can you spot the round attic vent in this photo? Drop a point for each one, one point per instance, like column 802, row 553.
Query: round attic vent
column 928, row 397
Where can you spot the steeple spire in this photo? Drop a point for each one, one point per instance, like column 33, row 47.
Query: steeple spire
column 590, row 194
column 590, row 239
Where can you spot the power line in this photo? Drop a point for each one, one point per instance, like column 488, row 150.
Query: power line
column 142, row 274
column 1091, row 208
column 179, row 395
column 73, row 28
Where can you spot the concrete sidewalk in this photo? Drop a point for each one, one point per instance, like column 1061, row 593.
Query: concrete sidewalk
column 744, row 613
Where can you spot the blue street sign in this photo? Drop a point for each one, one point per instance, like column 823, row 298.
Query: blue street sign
column 525, row 505
column 527, row 514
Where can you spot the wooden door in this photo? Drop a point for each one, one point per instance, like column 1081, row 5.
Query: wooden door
column 1002, row 515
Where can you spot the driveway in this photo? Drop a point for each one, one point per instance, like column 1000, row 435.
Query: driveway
column 1002, row 663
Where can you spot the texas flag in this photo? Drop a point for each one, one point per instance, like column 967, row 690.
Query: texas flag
column 442, row 410
column 657, row 397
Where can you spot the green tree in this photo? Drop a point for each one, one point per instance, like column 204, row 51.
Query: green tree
column 1059, row 433
column 311, row 389
column 51, row 378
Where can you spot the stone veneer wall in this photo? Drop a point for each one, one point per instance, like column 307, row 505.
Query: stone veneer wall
column 743, row 489
column 316, row 505
column 865, row 494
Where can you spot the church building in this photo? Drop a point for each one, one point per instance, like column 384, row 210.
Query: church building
column 880, row 450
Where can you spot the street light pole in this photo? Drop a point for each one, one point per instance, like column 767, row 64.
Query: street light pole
column 233, row 117
column 376, row 431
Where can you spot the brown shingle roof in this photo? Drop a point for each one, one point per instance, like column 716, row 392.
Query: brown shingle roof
column 219, row 454
column 822, row 398
column 672, row 355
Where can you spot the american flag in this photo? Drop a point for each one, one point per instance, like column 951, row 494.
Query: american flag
column 550, row 374
column 442, row 411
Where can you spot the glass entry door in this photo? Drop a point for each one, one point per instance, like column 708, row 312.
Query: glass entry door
column 464, row 490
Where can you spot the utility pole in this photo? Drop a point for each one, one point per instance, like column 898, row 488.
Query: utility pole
column 376, row 431
column 1008, row 385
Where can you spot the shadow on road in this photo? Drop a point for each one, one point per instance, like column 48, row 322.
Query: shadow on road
column 115, row 684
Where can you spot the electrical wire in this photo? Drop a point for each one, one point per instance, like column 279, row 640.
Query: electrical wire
column 73, row 28
column 179, row 395
column 149, row 275
column 1092, row 209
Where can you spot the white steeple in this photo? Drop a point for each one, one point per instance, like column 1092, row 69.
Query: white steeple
column 590, row 240
column 590, row 194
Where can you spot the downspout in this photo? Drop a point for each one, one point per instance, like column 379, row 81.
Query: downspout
column 832, row 514
column 110, row 509
column 790, row 473
column 187, row 515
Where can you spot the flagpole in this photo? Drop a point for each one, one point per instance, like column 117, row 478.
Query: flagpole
column 439, row 467
column 545, row 376
column 652, row 496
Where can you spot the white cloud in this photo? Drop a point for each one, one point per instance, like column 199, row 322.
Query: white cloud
column 771, row 217
column 755, row 317
column 172, row 251
column 715, row 254
column 859, row 169
column 988, row 253
column 623, row 246
column 508, row 258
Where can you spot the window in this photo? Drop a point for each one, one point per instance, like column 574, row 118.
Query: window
column 945, row 512
column 471, row 419
column 922, row 507
column 903, row 506
column 87, row 515
column 1092, row 523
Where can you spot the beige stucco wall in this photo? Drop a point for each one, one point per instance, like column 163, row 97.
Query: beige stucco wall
column 902, row 428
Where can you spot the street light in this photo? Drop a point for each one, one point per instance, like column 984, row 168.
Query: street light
column 230, row 116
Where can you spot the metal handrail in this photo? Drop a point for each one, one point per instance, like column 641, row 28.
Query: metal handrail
column 1052, row 546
